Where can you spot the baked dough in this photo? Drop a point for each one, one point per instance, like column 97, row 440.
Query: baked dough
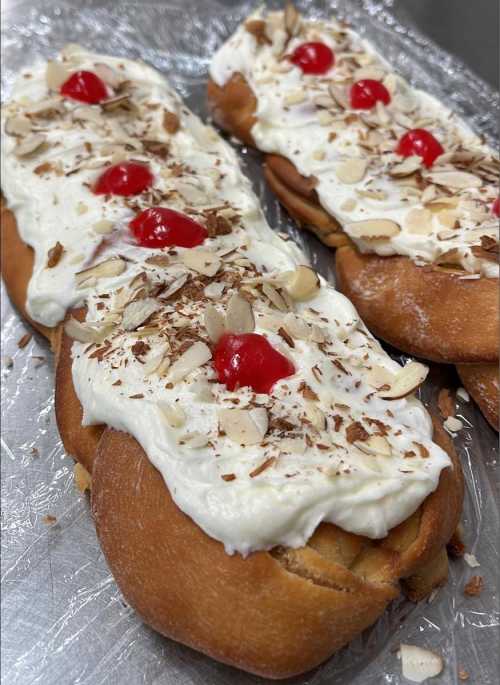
column 275, row 614
column 482, row 381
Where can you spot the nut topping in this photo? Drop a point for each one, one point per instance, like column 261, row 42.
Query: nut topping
column 245, row 427
column 406, row 381
column 372, row 229
column 239, row 317
column 302, row 284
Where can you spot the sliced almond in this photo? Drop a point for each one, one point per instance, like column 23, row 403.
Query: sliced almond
column 243, row 426
column 296, row 327
column 371, row 229
column 55, row 75
column 295, row 97
column 453, row 424
column 214, row 290
column 175, row 286
column 275, row 298
column 108, row 75
column 201, row 261
column 448, row 218
column 214, row 323
column 47, row 107
column 351, row 170
column 87, row 113
column 419, row 664
column 30, row 145
column 17, row 125
column 459, row 180
column 174, row 414
column 302, row 284
column 407, row 167
column 315, row 416
column 376, row 445
column 138, row 312
column 339, row 95
column 325, row 118
column 194, row 441
column 103, row 227
column 369, row 72
column 239, row 317
column 418, row 221
column 107, row 269
column 194, row 357
column 406, row 381
column 292, row 19
column 379, row 376
column 82, row 332
column 122, row 101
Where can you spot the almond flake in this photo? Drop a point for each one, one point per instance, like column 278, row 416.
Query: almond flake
column 194, row 440
column 351, row 170
column 407, row 167
column 296, row 327
column 273, row 295
column 379, row 376
column 18, row 125
column 174, row 415
column 406, row 381
column 55, row 75
column 82, row 332
column 302, row 283
column 419, row 664
column 214, row 290
column 349, row 205
column 138, row 312
column 315, row 416
column 459, row 180
column 376, row 445
column 295, row 97
column 325, row 118
column 339, row 95
column 453, row 424
column 103, row 227
column 239, row 316
column 108, row 75
column 292, row 19
column 30, row 145
column 418, row 221
column 214, row 323
column 107, row 269
column 243, row 426
column 201, row 261
column 194, row 357
column 372, row 229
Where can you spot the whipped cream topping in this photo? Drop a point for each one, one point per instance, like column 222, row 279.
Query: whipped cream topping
column 442, row 215
column 252, row 470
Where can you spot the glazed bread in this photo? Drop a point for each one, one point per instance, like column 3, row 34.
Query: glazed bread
column 437, row 307
column 330, row 490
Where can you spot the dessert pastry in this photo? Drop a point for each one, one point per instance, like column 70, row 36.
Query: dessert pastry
column 375, row 167
column 263, row 459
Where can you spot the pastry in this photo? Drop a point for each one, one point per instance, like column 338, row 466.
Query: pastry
column 254, row 452
column 378, row 168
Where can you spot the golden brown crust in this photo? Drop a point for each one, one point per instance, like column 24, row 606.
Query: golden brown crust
column 275, row 614
column 17, row 267
column 79, row 441
column 482, row 382
column 302, row 205
column 431, row 314
column 233, row 107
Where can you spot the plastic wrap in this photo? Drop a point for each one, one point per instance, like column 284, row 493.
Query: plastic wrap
column 64, row 620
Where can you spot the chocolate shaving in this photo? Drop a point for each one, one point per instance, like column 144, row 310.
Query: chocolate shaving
column 383, row 428
column 24, row 340
column 54, row 255
column 338, row 421
column 138, row 396
column 307, row 392
column 265, row 465
column 286, row 336
column 356, row 433
column 340, row 366
column 228, row 477
column 139, row 349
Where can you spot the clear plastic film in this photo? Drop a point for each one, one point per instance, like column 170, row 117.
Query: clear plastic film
column 64, row 619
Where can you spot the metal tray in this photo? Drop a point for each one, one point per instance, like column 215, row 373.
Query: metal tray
column 64, row 620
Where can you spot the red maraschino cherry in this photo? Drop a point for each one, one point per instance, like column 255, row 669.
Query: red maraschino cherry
column 495, row 208
column 420, row 142
column 162, row 227
column 85, row 86
column 249, row 359
column 366, row 93
column 313, row 58
column 126, row 178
